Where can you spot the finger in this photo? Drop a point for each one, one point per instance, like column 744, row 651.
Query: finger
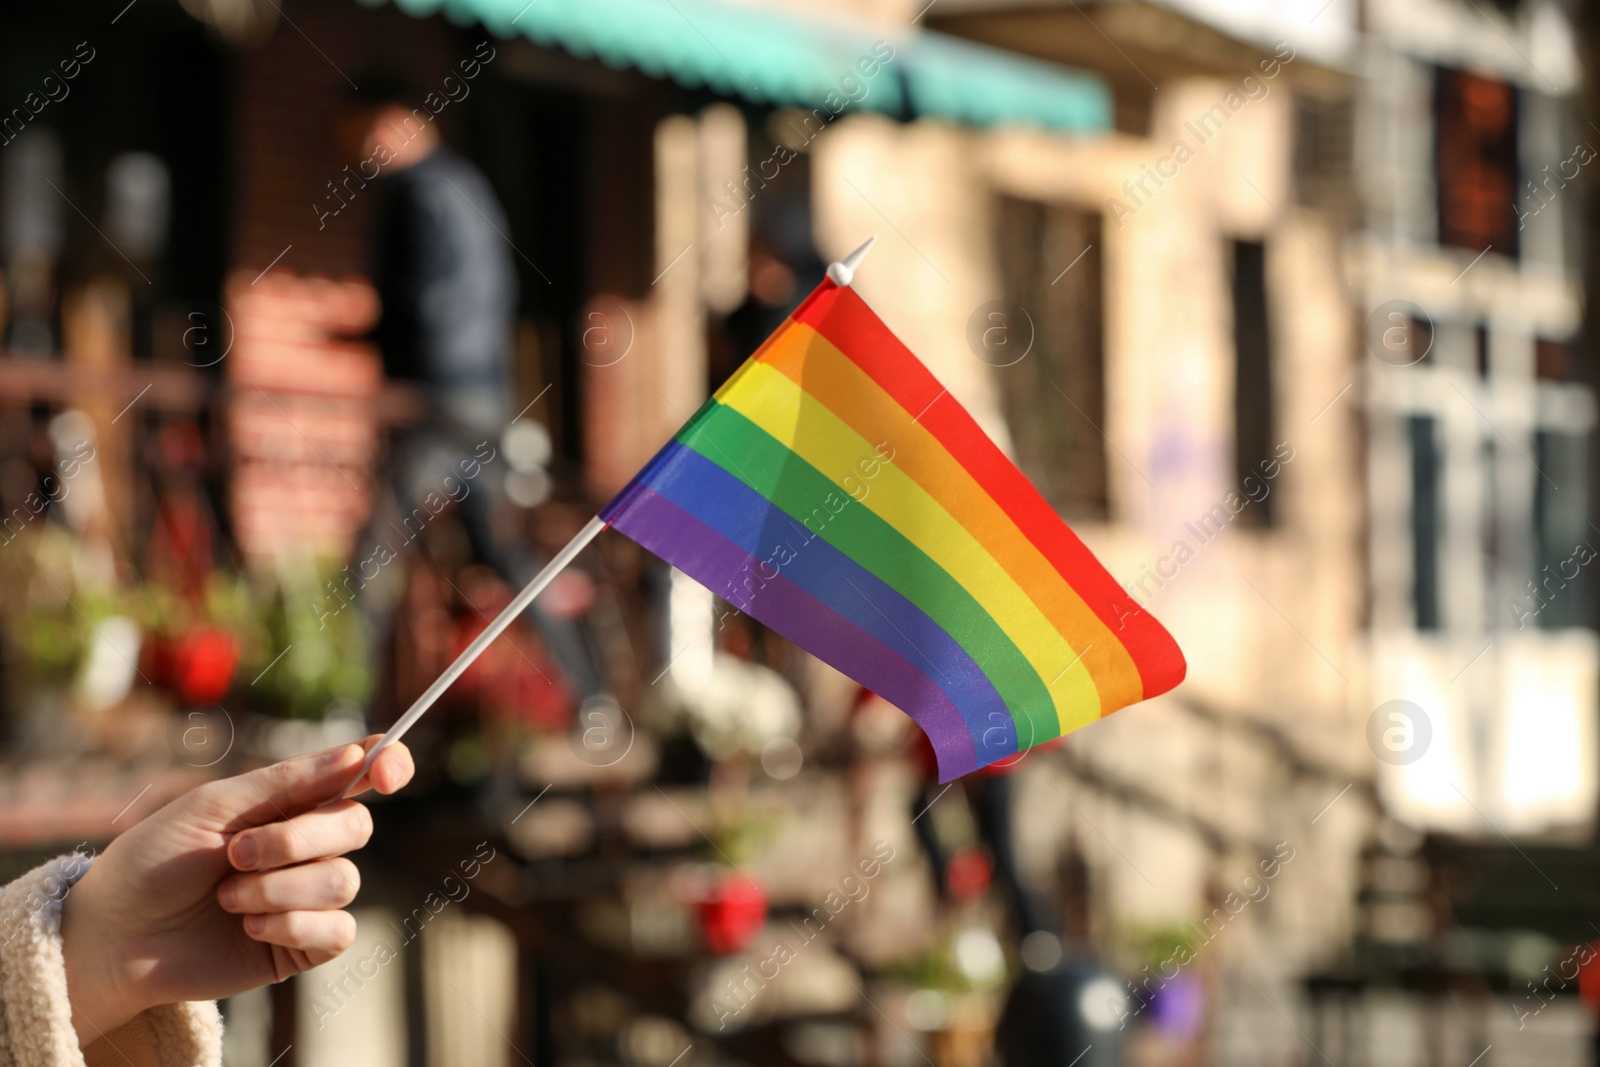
column 393, row 768
column 390, row 770
column 283, row 789
column 322, row 886
column 320, row 934
column 341, row 827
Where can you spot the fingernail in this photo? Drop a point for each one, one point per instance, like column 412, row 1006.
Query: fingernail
column 228, row 894
column 336, row 757
column 254, row 924
column 245, row 853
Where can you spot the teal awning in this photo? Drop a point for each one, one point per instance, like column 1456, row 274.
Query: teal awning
column 983, row 86
column 785, row 59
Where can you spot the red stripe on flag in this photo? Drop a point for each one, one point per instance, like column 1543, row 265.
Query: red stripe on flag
column 845, row 319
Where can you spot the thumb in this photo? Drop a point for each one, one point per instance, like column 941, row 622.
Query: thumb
column 284, row 789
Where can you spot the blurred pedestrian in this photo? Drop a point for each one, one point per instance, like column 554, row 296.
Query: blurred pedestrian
column 441, row 263
column 448, row 288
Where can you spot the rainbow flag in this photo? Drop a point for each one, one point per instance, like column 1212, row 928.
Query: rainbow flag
column 836, row 492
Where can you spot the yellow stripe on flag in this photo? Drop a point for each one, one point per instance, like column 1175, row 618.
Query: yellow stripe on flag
column 771, row 400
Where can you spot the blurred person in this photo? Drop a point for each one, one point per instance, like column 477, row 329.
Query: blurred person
column 783, row 268
column 1064, row 1006
column 441, row 262
column 239, row 883
column 990, row 794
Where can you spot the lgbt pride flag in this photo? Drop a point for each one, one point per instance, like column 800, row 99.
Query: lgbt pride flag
column 833, row 490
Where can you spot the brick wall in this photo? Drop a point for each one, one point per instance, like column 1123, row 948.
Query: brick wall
column 291, row 96
column 302, row 429
column 302, row 426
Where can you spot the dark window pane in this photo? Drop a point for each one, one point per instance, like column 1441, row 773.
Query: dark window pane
column 1552, row 360
column 1425, row 524
column 1562, row 537
column 1475, row 148
column 1492, row 528
column 1054, row 397
column 1254, row 419
column 1324, row 152
column 1421, row 340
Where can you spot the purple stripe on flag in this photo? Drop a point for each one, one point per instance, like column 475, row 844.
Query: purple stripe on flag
column 710, row 558
column 760, row 528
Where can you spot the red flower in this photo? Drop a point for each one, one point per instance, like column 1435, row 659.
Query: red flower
column 969, row 873
column 731, row 914
column 203, row 662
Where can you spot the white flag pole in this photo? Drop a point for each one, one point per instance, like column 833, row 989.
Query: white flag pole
column 517, row 606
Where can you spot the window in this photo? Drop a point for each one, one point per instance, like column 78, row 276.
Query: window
column 1475, row 159
column 1254, row 432
column 1054, row 396
column 1424, row 521
column 1480, row 470
column 1552, row 361
column 1324, row 152
column 1563, row 542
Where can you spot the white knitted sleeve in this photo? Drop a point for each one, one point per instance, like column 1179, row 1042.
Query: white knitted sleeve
column 35, row 1017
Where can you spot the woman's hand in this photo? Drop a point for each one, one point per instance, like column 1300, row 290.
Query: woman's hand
column 236, row 884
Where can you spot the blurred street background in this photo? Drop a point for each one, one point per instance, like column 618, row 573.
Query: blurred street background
column 324, row 322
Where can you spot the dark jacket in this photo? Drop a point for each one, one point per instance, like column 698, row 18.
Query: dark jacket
column 445, row 277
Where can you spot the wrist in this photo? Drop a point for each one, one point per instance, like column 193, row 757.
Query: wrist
column 98, row 999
